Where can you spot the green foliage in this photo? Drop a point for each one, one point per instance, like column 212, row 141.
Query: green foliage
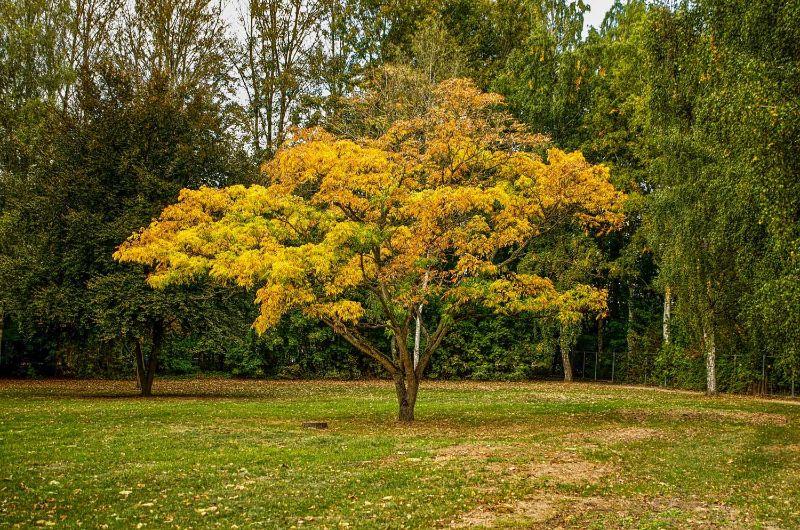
column 693, row 105
column 130, row 150
column 544, row 78
column 488, row 347
column 724, row 215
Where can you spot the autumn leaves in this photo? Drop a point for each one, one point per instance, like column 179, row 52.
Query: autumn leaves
column 360, row 232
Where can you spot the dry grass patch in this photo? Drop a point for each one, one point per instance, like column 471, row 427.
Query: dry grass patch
column 543, row 510
column 475, row 451
column 734, row 416
column 524, row 462
column 556, row 510
column 738, row 416
column 613, row 435
column 792, row 448
column 702, row 514
column 564, row 468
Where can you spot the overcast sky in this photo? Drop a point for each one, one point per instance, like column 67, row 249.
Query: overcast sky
column 596, row 15
column 592, row 18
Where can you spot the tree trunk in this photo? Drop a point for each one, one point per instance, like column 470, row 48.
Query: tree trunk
column 565, row 360
column 667, row 314
column 417, row 335
column 600, row 345
column 711, row 358
column 146, row 372
column 2, row 327
column 566, row 340
column 406, row 396
column 629, row 323
column 418, row 325
column 141, row 373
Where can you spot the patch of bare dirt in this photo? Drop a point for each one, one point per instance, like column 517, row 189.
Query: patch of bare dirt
column 791, row 448
column 563, row 468
column 629, row 434
column 616, row 435
column 703, row 514
column 554, row 510
column 531, row 511
column 477, row 451
column 740, row 416
column 753, row 418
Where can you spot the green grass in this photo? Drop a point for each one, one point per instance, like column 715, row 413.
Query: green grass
column 222, row 453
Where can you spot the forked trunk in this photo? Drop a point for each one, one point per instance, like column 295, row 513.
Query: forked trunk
column 406, row 396
column 147, row 383
column 711, row 358
column 145, row 372
column 141, row 370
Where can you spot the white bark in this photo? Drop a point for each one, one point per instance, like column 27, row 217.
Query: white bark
column 711, row 358
column 417, row 335
column 667, row 314
column 418, row 324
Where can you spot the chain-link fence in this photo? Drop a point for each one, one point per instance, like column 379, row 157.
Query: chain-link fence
column 734, row 373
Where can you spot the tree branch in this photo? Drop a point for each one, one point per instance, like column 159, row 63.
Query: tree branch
column 362, row 344
column 445, row 322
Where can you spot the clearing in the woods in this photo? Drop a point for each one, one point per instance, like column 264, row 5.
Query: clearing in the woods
column 223, row 453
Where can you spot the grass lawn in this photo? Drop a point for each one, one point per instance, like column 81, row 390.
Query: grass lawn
column 221, row 453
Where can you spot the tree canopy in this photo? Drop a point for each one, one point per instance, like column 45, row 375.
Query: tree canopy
column 359, row 234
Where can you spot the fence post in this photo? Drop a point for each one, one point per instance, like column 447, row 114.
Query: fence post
column 583, row 368
column 613, row 364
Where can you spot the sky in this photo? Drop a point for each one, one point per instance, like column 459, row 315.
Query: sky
column 593, row 18
column 597, row 13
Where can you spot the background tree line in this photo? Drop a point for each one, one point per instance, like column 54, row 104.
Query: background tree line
column 108, row 108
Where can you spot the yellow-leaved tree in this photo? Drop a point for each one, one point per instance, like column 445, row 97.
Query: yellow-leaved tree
column 362, row 234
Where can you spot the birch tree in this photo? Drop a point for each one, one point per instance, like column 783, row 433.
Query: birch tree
column 185, row 41
column 273, row 64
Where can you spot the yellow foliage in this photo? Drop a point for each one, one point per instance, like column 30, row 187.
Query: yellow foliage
column 437, row 207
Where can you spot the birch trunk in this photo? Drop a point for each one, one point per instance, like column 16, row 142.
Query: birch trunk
column 2, row 326
column 711, row 358
column 667, row 314
column 418, row 325
column 629, row 323
column 600, row 340
column 417, row 335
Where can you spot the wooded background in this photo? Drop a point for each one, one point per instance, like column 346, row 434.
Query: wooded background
column 108, row 108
